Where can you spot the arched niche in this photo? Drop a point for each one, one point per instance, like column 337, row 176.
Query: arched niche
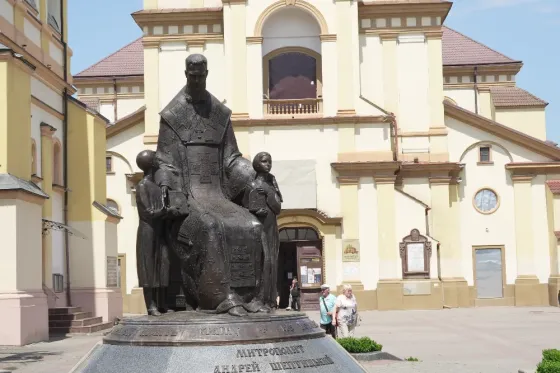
column 288, row 4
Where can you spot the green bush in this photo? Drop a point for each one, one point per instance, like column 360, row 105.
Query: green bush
column 359, row 345
column 548, row 367
column 411, row 359
column 551, row 355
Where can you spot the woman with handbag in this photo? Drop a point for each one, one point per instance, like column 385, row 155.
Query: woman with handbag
column 346, row 312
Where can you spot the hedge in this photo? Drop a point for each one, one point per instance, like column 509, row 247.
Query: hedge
column 550, row 362
column 359, row 345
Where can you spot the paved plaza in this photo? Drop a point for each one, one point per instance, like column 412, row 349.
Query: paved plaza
column 481, row 340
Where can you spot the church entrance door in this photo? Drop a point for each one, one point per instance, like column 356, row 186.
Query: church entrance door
column 300, row 257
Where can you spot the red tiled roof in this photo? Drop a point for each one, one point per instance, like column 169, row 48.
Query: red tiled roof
column 504, row 97
column 458, row 49
column 92, row 103
column 129, row 60
column 554, row 186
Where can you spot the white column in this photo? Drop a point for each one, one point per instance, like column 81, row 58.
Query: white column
column 330, row 80
column 255, row 77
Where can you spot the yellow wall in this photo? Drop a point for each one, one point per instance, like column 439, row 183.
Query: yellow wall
column 15, row 119
column 86, row 164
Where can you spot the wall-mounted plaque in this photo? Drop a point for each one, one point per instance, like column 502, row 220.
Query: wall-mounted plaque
column 350, row 250
column 112, row 272
column 415, row 251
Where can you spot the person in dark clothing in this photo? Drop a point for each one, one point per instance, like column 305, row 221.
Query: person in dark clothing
column 295, row 293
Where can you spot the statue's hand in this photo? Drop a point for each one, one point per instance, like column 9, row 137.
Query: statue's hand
column 165, row 193
column 261, row 212
column 260, row 190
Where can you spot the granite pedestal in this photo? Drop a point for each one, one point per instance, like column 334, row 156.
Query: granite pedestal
column 198, row 343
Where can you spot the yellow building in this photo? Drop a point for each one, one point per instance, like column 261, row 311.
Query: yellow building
column 58, row 235
column 411, row 164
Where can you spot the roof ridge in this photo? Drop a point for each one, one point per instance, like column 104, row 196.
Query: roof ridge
column 481, row 44
column 107, row 57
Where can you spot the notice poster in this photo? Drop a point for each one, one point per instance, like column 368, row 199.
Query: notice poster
column 317, row 273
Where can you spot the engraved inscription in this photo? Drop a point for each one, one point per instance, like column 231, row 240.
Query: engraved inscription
column 241, row 368
column 298, row 364
column 220, row 330
column 125, row 332
column 260, row 352
column 158, row 332
column 286, row 328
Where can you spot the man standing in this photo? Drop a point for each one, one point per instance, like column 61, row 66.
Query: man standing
column 295, row 293
column 327, row 302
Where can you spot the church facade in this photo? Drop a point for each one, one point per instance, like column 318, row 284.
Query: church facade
column 412, row 165
column 58, row 238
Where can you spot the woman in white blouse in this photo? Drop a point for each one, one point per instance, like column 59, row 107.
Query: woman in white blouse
column 346, row 313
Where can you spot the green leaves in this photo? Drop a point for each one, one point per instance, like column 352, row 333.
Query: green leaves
column 359, row 345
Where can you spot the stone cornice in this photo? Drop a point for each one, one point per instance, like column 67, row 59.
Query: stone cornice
column 526, row 169
column 365, row 169
column 404, row 8
column 311, row 120
column 152, row 17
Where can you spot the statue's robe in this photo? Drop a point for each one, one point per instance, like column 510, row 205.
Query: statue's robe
column 219, row 243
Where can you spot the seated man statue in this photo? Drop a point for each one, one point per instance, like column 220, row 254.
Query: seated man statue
column 202, row 174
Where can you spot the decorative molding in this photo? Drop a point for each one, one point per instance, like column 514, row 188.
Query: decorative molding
column 126, row 122
column 366, row 169
column 348, row 180
column 174, row 16
column 322, row 218
column 434, row 131
column 297, row 3
column 424, row 8
column 35, row 101
column 254, row 39
column 47, row 130
column 328, row 37
column 346, row 112
column 154, row 41
column 385, row 179
column 415, row 238
column 522, row 170
column 441, row 180
column 311, row 120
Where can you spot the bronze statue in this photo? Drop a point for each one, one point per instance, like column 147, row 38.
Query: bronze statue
column 264, row 199
column 203, row 179
column 152, row 259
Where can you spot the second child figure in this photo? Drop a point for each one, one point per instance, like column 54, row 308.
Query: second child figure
column 152, row 257
column 265, row 201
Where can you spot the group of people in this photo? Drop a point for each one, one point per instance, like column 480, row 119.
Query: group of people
column 339, row 315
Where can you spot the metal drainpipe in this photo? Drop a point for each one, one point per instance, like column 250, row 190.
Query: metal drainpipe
column 65, row 151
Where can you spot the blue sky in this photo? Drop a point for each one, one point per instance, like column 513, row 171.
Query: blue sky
column 526, row 30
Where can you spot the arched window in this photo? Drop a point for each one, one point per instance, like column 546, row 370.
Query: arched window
column 292, row 81
column 113, row 205
column 33, row 157
column 57, row 163
column 298, row 234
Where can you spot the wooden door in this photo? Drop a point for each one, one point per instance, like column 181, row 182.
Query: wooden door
column 310, row 273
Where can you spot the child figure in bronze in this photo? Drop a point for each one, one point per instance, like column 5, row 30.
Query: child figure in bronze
column 152, row 258
column 265, row 201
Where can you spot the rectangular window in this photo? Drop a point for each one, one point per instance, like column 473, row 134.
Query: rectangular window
column 54, row 14
column 109, row 164
column 485, row 154
column 58, row 283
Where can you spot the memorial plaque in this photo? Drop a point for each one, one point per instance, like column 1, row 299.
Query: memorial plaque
column 112, row 272
column 415, row 257
column 415, row 251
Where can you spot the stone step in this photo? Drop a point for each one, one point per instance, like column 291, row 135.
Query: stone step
column 75, row 323
column 81, row 329
column 64, row 310
column 70, row 317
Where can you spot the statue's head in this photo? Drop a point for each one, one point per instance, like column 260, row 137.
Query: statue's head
column 196, row 72
column 145, row 160
column 262, row 162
